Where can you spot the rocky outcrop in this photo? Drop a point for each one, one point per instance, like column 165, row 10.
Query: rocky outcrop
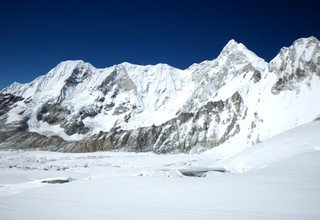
column 296, row 64
column 7, row 100
column 181, row 134
column 55, row 114
column 17, row 139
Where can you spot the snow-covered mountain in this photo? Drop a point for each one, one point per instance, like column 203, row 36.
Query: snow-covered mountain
column 237, row 98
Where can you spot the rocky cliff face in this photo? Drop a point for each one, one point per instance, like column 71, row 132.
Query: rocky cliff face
column 236, row 98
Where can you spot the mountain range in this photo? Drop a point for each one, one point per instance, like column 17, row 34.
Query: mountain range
column 236, row 99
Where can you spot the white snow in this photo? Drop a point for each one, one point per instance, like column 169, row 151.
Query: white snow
column 277, row 179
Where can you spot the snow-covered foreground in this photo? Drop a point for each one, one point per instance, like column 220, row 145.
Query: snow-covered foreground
column 277, row 179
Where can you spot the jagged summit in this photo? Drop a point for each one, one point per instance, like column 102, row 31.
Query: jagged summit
column 228, row 100
column 235, row 53
column 298, row 60
column 301, row 44
column 306, row 40
column 233, row 45
column 71, row 62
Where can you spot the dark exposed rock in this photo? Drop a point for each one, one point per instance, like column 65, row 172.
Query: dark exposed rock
column 18, row 139
column 231, row 130
column 107, row 84
column 235, row 97
column 7, row 101
column 56, row 114
column 127, row 118
column 183, row 117
column 256, row 76
column 115, row 93
column 138, row 140
column 278, row 86
column 23, row 124
column 53, row 114
column 109, row 106
column 27, row 100
column 237, row 100
column 300, row 73
column 89, row 112
column 102, row 99
column 208, row 107
column 75, row 127
column 58, row 181
column 253, row 125
column 121, row 109
column 218, row 105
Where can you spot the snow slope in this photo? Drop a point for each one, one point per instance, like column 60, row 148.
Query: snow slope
column 277, row 179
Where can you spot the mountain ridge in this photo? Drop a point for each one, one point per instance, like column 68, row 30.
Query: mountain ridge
column 160, row 108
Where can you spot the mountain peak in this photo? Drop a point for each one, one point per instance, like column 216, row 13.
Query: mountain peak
column 125, row 63
column 303, row 54
column 305, row 41
column 232, row 42
column 74, row 64
column 232, row 46
column 11, row 88
column 68, row 66
column 71, row 62
column 237, row 52
column 300, row 44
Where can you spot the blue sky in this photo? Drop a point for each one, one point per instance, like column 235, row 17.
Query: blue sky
column 36, row 35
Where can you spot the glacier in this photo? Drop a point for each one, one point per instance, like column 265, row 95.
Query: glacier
column 276, row 179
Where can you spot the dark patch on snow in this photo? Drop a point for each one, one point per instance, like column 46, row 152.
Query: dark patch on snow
column 317, row 118
column 200, row 172
column 58, row 181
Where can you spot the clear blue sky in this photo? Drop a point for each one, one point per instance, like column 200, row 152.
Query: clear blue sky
column 36, row 35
